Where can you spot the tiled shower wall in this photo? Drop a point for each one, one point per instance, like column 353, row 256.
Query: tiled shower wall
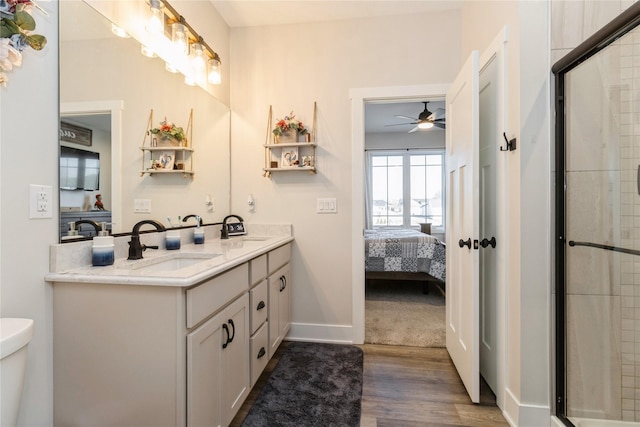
column 603, row 301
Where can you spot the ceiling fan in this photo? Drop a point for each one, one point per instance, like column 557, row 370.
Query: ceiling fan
column 426, row 119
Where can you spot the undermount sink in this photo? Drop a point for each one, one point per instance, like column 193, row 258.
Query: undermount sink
column 171, row 262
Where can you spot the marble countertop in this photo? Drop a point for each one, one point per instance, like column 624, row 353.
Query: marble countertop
column 217, row 257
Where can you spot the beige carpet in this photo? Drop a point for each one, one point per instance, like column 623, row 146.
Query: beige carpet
column 398, row 313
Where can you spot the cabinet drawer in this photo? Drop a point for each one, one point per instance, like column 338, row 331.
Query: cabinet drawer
column 259, row 353
column 210, row 296
column 258, row 269
column 279, row 257
column 258, row 302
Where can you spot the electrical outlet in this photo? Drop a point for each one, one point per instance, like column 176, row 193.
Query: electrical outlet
column 40, row 201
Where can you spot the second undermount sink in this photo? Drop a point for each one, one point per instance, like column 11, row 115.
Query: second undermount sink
column 171, row 262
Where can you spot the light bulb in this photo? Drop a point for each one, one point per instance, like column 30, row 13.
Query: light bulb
column 425, row 125
column 179, row 37
column 214, row 72
column 198, row 63
column 155, row 23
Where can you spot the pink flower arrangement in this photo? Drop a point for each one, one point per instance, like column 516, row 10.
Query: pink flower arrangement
column 289, row 123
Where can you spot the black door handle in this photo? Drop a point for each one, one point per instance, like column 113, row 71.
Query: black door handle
column 225, row 328
column 261, row 305
column 484, row 243
column 466, row 243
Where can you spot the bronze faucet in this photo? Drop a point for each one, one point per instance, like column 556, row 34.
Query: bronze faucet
column 135, row 248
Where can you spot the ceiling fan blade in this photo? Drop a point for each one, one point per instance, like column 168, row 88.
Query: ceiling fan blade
column 439, row 125
column 402, row 124
column 413, row 130
column 406, row 117
column 437, row 115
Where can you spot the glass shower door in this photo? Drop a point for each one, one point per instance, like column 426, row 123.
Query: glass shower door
column 602, row 229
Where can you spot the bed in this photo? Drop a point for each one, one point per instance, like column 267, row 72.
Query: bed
column 403, row 254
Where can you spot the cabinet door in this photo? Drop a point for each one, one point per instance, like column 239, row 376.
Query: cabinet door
column 279, row 307
column 235, row 358
column 204, row 351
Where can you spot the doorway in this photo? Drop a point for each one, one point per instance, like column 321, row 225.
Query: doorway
column 404, row 157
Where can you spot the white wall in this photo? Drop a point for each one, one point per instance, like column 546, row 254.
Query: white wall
column 290, row 67
column 527, row 387
column 434, row 138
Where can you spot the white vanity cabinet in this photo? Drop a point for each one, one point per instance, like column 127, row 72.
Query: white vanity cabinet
column 279, row 282
column 217, row 372
column 148, row 354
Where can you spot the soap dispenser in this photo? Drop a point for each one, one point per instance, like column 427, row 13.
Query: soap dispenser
column 198, row 233
column 103, row 247
column 72, row 233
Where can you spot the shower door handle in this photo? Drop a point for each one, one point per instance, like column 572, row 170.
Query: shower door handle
column 605, row 247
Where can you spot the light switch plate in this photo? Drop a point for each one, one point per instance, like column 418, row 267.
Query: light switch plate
column 142, row 205
column 326, row 205
column 40, row 201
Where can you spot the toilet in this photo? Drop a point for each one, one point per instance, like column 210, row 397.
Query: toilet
column 15, row 335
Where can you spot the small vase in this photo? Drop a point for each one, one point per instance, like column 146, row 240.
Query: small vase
column 288, row 137
column 168, row 141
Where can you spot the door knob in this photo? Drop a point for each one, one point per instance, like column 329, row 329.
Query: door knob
column 484, row 243
column 463, row 243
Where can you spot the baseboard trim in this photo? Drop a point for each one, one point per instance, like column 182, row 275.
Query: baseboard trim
column 522, row 415
column 320, row 333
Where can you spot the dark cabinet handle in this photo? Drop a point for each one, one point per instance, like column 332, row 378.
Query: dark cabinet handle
column 281, row 283
column 262, row 352
column 484, row 243
column 233, row 332
column 261, row 305
column 463, row 243
column 225, row 328
column 284, row 278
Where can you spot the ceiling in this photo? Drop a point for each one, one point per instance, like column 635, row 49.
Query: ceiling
column 378, row 115
column 252, row 13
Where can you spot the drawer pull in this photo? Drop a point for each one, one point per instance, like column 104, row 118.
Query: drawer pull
column 233, row 333
column 261, row 305
column 225, row 328
column 262, row 352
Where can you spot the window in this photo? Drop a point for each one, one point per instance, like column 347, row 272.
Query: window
column 407, row 188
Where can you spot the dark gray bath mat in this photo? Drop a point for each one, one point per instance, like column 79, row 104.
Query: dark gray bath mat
column 314, row 384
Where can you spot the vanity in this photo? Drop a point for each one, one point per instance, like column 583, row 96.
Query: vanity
column 178, row 338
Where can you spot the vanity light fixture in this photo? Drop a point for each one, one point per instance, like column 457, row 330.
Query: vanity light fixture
column 214, row 71
column 179, row 37
column 155, row 22
column 198, row 62
column 170, row 68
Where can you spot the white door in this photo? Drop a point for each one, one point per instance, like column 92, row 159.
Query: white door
column 462, row 224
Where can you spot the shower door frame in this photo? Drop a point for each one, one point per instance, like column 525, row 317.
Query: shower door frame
column 621, row 25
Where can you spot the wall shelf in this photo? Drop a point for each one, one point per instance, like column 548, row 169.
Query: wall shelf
column 303, row 152
column 177, row 159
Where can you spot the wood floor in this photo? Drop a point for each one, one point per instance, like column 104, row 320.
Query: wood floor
column 407, row 387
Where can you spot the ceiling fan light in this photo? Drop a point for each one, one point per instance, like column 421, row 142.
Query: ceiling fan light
column 425, row 125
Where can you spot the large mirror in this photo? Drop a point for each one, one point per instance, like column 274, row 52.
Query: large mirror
column 110, row 88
